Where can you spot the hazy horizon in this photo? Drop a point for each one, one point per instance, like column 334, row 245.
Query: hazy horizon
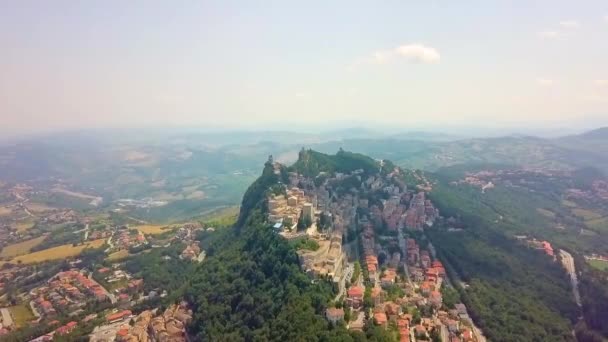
column 361, row 130
column 518, row 67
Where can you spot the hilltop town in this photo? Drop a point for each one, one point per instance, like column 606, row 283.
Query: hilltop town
column 365, row 232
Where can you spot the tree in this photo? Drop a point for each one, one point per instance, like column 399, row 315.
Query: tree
column 356, row 272
column 347, row 314
column 304, row 221
column 368, row 302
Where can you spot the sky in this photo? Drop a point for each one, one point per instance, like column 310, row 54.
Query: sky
column 264, row 64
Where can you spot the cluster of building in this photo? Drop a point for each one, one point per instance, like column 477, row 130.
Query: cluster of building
column 421, row 212
column 596, row 257
column 13, row 275
column 327, row 260
column 482, row 180
column 328, row 215
column 286, row 209
column 60, row 216
column 123, row 293
column 598, row 191
column 355, row 199
column 187, row 232
column 193, row 252
column 422, row 290
column 128, row 238
column 66, row 292
column 600, row 187
column 60, row 331
column 8, row 233
column 149, row 325
column 99, row 234
column 376, row 205
column 544, row 246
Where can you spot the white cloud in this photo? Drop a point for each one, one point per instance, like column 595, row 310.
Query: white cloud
column 545, row 82
column 412, row 53
column 601, row 83
column 300, row 94
column 569, row 24
column 417, row 53
column 548, row 34
column 606, row 18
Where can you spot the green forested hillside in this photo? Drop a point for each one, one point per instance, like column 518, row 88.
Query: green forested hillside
column 252, row 289
column 310, row 163
column 486, row 256
column 514, row 293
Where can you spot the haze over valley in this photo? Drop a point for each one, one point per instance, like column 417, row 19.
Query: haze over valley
column 317, row 171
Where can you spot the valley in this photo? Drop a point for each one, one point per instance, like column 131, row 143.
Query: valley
column 390, row 252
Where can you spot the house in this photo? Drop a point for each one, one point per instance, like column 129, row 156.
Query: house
column 388, row 278
column 354, row 297
column 380, row 318
column 467, row 335
column 426, row 288
column 118, row 316
column 100, row 295
column 392, row 310
column 135, row 285
column 453, row 325
column 435, row 299
column 334, row 315
column 420, row 330
column 377, row 295
column 404, row 335
column 122, row 334
column 66, row 329
column 103, row 270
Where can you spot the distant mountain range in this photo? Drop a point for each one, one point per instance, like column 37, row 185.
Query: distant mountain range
column 136, row 164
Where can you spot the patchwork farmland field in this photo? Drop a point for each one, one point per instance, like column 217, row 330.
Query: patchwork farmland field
column 5, row 211
column 59, row 252
column 21, row 314
column 20, row 248
column 152, row 229
column 122, row 254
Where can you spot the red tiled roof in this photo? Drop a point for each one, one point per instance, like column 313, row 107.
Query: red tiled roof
column 122, row 332
column 380, row 318
column 118, row 315
column 355, row 291
column 335, row 312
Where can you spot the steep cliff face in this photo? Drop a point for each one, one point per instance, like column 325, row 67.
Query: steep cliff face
column 254, row 197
